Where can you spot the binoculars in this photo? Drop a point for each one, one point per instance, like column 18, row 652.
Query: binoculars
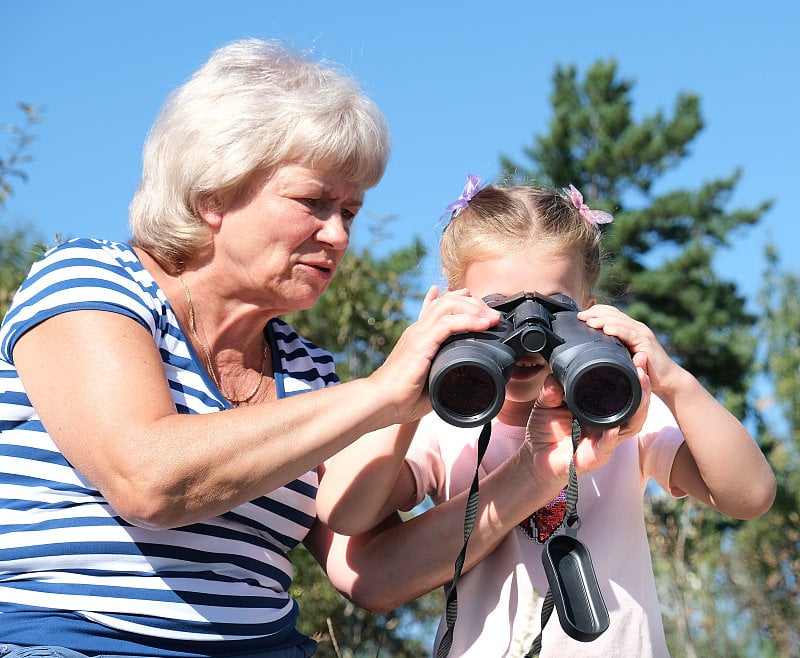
column 469, row 373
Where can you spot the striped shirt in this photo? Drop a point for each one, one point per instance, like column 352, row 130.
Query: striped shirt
column 72, row 572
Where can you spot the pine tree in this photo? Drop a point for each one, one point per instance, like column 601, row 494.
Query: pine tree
column 660, row 251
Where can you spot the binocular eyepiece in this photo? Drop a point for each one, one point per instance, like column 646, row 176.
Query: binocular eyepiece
column 469, row 373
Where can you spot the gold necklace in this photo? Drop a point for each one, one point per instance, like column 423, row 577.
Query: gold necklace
column 207, row 353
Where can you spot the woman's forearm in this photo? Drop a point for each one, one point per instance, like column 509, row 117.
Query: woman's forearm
column 363, row 483
column 399, row 561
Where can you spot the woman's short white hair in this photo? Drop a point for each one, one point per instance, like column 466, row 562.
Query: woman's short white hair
column 253, row 106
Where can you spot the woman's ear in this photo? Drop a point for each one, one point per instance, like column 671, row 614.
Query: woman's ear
column 591, row 300
column 210, row 208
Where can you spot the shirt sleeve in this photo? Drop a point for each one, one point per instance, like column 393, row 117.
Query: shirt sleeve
column 79, row 275
column 659, row 442
column 424, row 458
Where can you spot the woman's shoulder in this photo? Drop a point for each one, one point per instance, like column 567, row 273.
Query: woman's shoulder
column 92, row 264
column 88, row 258
column 91, row 249
column 82, row 274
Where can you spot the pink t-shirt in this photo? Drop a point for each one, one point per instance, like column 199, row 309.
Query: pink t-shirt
column 500, row 599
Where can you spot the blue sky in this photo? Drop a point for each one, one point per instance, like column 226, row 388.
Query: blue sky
column 461, row 83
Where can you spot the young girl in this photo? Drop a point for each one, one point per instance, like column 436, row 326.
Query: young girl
column 504, row 241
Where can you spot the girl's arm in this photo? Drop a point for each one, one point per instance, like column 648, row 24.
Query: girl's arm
column 395, row 562
column 367, row 481
column 720, row 464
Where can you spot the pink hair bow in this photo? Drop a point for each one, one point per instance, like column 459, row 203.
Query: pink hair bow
column 594, row 217
column 471, row 188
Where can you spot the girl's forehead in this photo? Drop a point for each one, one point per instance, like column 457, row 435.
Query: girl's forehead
column 543, row 272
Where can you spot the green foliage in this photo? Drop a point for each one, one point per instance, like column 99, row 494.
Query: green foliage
column 744, row 573
column 771, row 566
column 19, row 246
column 13, row 158
column 18, row 251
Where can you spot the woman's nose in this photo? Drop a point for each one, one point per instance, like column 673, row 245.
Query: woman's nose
column 334, row 231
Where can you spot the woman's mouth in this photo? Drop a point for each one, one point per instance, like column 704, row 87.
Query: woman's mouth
column 323, row 270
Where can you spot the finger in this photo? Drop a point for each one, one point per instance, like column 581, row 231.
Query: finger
column 595, row 434
column 431, row 295
column 460, row 292
column 463, row 308
column 604, row 443
column 595, row 448
column 551, row 395
column 600, row 311
column 434, row 307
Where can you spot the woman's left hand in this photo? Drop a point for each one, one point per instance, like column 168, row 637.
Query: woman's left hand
column 403, row 376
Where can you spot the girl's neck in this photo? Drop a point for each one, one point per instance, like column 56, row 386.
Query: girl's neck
column 515, row 413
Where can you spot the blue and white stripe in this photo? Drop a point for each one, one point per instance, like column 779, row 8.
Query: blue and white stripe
column 63, row 548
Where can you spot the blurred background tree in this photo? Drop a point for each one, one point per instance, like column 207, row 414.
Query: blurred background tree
column 19, row 246
column 15, row 153
column 763, row 565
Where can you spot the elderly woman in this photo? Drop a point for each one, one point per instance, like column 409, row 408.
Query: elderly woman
column 156, row 460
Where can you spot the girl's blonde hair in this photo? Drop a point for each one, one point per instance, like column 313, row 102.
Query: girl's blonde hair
column 499, row 221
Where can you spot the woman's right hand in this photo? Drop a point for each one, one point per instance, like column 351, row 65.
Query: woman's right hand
column 403, row 377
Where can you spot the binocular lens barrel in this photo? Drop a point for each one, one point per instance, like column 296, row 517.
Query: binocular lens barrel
column 604, row 391
column 471, row 394
column 468, row 376
column 467, row 390
column 467, row 382
column 603, row 395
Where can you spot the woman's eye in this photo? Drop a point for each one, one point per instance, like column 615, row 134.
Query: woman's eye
column 310, row 202
column 348, row 215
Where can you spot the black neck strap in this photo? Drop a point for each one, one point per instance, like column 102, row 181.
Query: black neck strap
column 451, row 608
column 572, row 519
